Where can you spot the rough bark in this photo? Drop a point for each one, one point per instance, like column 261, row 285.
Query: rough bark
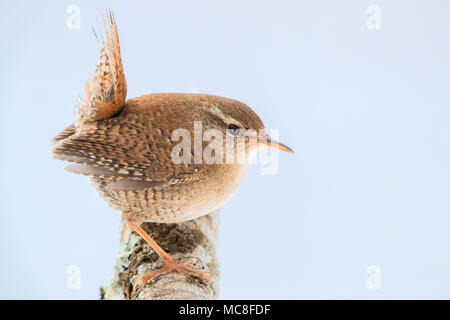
column 193, row 239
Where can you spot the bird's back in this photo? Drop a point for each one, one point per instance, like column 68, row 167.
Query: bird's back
column 129, row 160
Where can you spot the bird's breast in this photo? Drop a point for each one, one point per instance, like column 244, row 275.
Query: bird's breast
column 177, row 202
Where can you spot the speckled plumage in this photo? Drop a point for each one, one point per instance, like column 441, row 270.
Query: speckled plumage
column 126, row 146
column 135, row 147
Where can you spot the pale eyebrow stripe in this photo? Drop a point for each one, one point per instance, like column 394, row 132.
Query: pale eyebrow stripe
column 213, row 109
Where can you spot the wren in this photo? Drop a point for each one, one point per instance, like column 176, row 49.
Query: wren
column 127, row 148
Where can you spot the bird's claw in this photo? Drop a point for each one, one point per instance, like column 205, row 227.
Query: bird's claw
column 124, row 231
column 172, row 266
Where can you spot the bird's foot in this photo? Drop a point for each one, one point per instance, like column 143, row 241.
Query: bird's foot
column 124, row 231
column 172, row 266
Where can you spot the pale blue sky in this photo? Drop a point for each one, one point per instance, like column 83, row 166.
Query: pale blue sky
column 367, row 112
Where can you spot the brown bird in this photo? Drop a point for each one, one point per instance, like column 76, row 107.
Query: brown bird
column 127, row 148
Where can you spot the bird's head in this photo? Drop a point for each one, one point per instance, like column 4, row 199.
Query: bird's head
column 237, row 122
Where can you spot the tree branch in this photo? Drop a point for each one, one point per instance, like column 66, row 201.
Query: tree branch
column 193, row 239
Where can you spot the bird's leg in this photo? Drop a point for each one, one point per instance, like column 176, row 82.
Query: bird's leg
column 170, row 264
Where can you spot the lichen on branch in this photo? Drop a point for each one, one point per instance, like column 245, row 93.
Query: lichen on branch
column 192, row 239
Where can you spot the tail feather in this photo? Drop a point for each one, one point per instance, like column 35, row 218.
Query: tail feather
column 106, row 91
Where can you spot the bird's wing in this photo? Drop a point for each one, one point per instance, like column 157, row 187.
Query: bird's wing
column 106, row 91
column 119, row 148
column 67, row 132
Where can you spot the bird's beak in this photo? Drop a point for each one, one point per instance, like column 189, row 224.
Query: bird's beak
column 265, row 140
column 270, row 143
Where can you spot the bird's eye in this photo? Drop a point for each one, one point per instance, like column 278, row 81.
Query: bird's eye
column 234, row 129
